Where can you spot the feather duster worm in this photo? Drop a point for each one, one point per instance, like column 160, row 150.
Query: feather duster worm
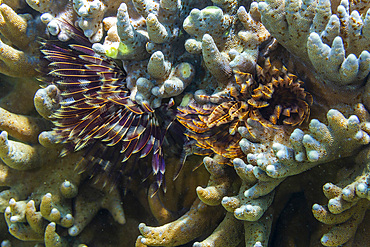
column 279, row 98
column 97, row 114
column 272, row 97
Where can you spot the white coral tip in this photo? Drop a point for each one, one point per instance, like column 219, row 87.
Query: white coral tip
column 313, row 155
column 315, row 38
column 73, row 231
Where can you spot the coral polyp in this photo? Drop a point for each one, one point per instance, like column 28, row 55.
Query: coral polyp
column 96, row 112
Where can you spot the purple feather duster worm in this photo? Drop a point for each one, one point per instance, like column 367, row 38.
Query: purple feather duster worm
column 97, row 114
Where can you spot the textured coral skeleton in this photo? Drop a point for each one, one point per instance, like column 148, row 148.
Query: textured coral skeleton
column 274, row 96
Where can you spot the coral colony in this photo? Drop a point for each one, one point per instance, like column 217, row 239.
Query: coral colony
column 184, row 123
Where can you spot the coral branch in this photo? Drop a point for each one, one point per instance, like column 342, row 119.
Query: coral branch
column 191, row 225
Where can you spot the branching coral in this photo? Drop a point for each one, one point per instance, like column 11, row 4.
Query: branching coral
column 273, row 93
column 192, row 224
column 17, row 62
column 149, row 53
column 347, row 205
column 269, row 164
column 52, row 10
column 19, row 57
column 313, row 23
column 51, row 196
column 91, row 14
column 34, row 202
column 271, row 152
